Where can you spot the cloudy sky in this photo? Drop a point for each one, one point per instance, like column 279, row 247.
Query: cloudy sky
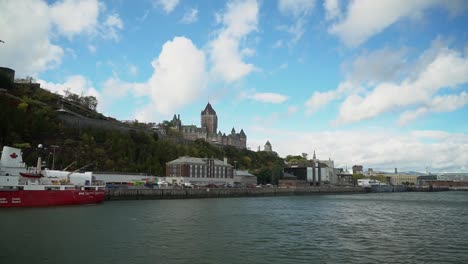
column 378, row 83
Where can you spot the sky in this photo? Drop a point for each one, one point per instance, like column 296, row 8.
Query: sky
column 381, row 83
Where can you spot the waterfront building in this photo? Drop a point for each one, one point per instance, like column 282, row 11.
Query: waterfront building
column 207, row 131
column 199, row 171
column 290, row 181
column 344, row 177
column 424, row 180
column 314, row 171
column 244, row 179
column 453, row 176
column 123, row 179
column 402, row 179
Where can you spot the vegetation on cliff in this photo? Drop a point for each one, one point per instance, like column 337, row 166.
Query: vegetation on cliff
column 29, row 117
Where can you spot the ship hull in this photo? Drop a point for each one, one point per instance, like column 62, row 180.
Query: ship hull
column 38, row 198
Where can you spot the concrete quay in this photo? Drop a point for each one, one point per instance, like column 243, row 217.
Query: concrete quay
column 147, row 194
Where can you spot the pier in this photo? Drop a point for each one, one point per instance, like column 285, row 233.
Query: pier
column 174, row 193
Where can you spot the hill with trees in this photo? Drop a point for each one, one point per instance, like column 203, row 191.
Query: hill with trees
column 31, row 116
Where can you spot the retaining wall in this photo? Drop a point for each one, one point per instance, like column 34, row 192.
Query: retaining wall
column 144, row 194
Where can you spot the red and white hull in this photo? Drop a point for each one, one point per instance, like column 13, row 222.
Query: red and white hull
column 36, row 198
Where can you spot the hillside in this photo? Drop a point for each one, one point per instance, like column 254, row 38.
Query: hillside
column 31, row 116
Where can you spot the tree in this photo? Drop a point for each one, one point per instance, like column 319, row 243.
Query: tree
column 89, row 102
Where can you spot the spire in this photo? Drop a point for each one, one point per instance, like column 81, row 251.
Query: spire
column 208, row 110
column 233, row 131
column 242, row 133
column 314, row 157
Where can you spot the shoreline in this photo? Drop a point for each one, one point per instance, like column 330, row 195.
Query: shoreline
column 161, row 194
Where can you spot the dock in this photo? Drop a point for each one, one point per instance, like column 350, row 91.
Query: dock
column 188, row 193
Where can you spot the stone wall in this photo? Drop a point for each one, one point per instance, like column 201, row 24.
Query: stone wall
column 143, row 194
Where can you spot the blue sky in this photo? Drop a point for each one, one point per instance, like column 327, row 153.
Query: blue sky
column 378, row 83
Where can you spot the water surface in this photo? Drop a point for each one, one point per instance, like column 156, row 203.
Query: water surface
column 357, row 228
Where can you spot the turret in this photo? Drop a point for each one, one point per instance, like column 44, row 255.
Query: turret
column 242, row 134
column 268, row 146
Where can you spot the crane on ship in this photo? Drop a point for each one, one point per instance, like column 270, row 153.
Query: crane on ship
column 70, row 173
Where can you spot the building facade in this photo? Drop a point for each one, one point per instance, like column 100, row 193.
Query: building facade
column 207, row 131
column 199, row 171
column 244, row 179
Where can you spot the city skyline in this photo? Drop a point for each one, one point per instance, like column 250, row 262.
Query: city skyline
column 378, row 83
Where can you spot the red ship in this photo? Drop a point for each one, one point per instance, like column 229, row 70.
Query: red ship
column 22, row 187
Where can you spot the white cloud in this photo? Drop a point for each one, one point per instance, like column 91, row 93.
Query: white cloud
column 384, row 81
column 382, row 65
column 32, row 24
column 446, row 103
column 297, row 29
column 190, row 16
column 75, row 16
column 299, row 10
column 447, row 70
column 296, row 7
column 111, row 27
column 366, row 18
column 179, row 75
column 320, row 99
column 383, row 147
column 179, row 78
column 273, row 98
column 76, row 84
column 167, row 5
column 239, row 20
column 332, row 9
column 115, row 89
column 29, row 47
column 248, row 52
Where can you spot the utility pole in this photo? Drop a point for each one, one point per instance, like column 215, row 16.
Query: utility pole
column 53, row 155
column 235, row 167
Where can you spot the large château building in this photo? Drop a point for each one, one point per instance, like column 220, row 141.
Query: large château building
column 207, row 131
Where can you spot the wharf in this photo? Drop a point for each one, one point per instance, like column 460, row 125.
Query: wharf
column 146, row 193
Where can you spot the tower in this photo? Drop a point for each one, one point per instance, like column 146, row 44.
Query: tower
column 243, row 139
column 268, row 146
column 209, row 119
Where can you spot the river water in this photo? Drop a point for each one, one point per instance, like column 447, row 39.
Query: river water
column 356, row 228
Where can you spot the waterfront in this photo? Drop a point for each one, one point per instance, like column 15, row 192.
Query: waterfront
column 357, row 228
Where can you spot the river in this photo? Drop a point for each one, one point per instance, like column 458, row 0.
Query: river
column 352, row 228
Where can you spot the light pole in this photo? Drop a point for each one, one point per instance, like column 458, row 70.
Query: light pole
column 53, row 155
